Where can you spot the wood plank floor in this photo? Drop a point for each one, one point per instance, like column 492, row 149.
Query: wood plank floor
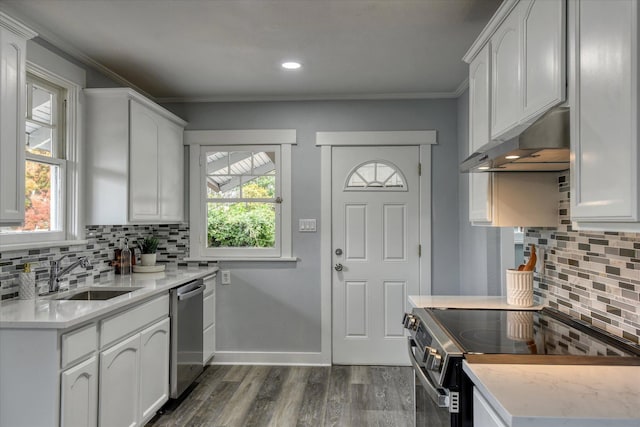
column 300, row 396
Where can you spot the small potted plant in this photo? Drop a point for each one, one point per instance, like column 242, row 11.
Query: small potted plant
column 148, row 247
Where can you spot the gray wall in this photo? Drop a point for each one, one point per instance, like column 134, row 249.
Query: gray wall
column 276, row 306
column 479, row 246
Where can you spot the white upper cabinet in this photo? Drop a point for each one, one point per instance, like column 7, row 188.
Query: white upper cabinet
column 517, row 73
column 506, row 108
column 479, row 134
column 527, row 40
column 604, row 114
column 135, row 160
column 479, row 99
column 13, row 53
column 543, row 60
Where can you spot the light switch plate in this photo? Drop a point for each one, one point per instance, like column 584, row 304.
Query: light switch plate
column 307, row 225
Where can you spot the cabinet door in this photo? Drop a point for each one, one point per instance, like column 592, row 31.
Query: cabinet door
column 479, row 134
column 154, row 369
column 209, row 321
column 79, row 395
column 208, row 343
column 479, row 99
column 12, row 132
column 543, row 67
column 171, row 170
column 119, row 384
column 144, row 151
column 604, row 111
column 505, row 68
column 483, row 414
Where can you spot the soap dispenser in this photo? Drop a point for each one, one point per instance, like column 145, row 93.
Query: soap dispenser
column 125, row 258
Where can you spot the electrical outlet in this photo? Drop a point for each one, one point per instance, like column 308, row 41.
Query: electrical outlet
column 225, row 277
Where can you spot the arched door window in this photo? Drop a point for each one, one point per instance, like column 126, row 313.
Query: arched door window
column 376, row 175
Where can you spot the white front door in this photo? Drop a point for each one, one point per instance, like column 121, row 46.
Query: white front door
column 375, row 236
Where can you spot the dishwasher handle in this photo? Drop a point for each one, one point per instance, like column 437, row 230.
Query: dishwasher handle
column 191, row 292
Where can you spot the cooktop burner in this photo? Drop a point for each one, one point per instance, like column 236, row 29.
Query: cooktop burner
column 522, row 332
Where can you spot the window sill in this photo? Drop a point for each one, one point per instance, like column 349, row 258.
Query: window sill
column 257, row 259
column 41, row 245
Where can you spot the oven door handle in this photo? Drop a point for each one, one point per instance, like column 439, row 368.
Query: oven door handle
column 439, row 396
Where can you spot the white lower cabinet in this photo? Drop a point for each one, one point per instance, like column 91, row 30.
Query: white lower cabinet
column 134, row 377
column 120, row 383
column 134, row 373
column 79, row 395
column 110, row 372
column 209, row 319
column 483, row 414
column 154, row 369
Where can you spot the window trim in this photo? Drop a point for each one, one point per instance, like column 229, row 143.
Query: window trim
column 238, row 140
column 69, row 162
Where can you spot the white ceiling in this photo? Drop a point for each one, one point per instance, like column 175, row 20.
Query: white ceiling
column 232, row 49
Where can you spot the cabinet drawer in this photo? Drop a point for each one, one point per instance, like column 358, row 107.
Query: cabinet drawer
column 123, row 324
column 210, row 284
column 208, row 343
column 208, row 311
column 78, row 344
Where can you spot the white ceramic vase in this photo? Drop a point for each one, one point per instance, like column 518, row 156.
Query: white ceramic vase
column 148, row 259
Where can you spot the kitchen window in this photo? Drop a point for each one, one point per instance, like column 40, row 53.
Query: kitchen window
column 49, row 165
column 243, row 207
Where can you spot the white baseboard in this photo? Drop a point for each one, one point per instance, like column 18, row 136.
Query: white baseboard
column 269, row 358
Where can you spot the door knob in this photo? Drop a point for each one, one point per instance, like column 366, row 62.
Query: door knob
column 338, row 267
column 338, row 251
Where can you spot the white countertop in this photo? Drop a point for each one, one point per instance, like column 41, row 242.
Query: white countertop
column 560, row 395
column 465, row 301
column 45, row 313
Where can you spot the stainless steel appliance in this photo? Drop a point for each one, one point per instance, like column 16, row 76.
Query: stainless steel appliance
column 542, row 147
column 440, row 339
column 186, row 336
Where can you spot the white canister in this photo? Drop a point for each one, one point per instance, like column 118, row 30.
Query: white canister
column 27, row 288
column 520, row 288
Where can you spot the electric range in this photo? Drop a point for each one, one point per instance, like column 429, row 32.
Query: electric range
column 440, row 339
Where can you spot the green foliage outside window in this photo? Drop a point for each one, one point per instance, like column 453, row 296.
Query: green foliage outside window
column 246, row 224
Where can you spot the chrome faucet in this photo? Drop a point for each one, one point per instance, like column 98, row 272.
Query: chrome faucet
column 55, row 273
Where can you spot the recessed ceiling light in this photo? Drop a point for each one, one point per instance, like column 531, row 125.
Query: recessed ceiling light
column 291, row 65
column 512, row 157
column 483, row 168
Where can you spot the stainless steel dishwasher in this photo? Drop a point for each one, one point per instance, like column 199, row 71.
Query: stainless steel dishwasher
column 186, row 336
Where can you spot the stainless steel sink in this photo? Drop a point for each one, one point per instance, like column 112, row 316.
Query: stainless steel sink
column 96, row 294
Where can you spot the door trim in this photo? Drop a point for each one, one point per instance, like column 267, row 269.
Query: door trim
column 423, row 139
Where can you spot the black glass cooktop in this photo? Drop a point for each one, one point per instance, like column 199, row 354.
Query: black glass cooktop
column 525, row 332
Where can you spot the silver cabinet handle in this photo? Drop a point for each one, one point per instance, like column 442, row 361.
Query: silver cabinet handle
column 338, row 267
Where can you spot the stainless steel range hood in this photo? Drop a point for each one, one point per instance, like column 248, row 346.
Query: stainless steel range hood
column 542, row 147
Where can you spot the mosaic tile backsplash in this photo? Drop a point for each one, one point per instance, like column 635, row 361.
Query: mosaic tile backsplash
column 592, row 276
column 102, row 241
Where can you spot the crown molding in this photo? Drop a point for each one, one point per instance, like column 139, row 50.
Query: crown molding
column 73, row 51
column 70, row 49
column 461, row 88
column 16, row 26
column 329, row 97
